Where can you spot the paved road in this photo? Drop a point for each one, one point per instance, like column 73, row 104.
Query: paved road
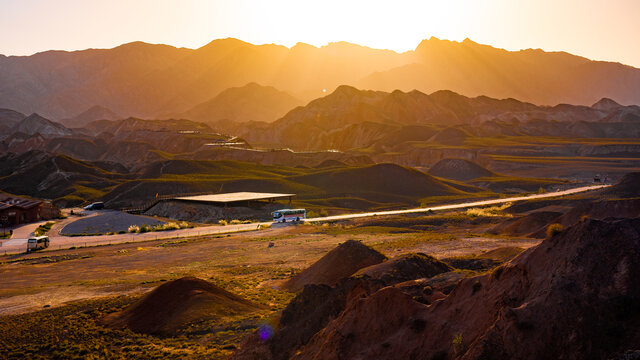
column 463, row 205
column 63, row 242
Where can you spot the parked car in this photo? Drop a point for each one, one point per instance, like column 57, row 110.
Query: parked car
column 95, row 206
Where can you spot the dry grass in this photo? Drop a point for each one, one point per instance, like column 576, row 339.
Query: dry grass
column 243, row 264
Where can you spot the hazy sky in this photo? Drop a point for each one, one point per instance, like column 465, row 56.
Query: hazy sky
column 597, row 29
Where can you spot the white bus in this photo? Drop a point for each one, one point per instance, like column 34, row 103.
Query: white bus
column 37, row 243
column 285, row 215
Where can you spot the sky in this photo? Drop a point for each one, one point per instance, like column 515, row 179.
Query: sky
column 596, row 29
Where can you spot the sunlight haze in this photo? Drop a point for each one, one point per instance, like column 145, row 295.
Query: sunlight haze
column 595, row 29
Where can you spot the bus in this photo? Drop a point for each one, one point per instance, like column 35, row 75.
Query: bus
column 37, row 243
column 285, row 215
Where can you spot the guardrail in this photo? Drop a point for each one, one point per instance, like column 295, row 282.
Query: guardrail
column 156, row 200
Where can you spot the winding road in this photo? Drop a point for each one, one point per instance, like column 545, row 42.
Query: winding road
column 64, row 242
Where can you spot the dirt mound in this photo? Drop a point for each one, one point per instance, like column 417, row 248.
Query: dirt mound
column 574, row 296
column 174, row 304
column 526, row 224
column 405, row 267
column 459, row 169
column 627, row 187
column 317, row 305
column 341, row 262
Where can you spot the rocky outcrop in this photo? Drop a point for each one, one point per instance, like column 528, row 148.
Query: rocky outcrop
column 574, row 296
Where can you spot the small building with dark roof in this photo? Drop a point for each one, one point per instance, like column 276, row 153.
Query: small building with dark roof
column 16, row 210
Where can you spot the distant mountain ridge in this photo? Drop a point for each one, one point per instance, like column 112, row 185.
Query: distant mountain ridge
column 36, row 124
column 144, row 80
column 251, row 102
column 350, row 118
column 94, row 113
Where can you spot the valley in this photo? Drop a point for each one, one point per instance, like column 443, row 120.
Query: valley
column 266, row 202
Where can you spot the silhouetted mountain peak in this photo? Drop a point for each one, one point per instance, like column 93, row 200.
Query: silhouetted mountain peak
column 468, row 41
column 606, row 104
column 226, row 43
column 345, row 90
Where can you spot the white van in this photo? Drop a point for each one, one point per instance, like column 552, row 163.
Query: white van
column 37, row 243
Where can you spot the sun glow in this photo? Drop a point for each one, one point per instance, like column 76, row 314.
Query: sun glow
column 595, row 31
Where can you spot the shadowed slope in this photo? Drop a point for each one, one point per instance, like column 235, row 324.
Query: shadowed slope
column 583, row 281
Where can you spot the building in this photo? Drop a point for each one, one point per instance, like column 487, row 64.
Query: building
column 16, row 210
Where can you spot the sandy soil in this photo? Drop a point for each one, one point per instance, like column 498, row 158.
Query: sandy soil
column 56, row 277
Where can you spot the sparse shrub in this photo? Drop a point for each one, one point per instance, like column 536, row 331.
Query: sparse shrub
column 541, row 190
column 170, row 226
column 222, row 222
column 554, row 229
column 145, row 228
column 264, row 226
column 184, row 225
column 458, row 345
column 584, row 218
column 488, row 211
column 238, row 222
column 134, row 229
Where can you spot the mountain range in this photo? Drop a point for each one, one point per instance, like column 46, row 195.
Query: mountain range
column 351, row 118
column 146, row 80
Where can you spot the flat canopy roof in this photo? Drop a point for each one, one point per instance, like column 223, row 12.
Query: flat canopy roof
column 236, row 196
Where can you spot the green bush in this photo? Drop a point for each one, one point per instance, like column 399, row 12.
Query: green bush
column 43, row 229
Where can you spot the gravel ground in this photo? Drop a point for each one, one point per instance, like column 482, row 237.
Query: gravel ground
column 111, row 221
